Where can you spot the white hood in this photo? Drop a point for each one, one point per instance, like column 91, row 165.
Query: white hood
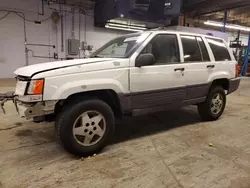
column 32, row 69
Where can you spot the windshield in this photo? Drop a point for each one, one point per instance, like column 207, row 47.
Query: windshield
column 121, row 47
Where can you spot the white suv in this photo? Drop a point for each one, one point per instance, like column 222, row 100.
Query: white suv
column 133, row 75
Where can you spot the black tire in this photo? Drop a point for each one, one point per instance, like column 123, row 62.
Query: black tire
column 66, row 119
column 205, row 109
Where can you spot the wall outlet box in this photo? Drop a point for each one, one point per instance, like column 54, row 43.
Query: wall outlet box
column 73, row 46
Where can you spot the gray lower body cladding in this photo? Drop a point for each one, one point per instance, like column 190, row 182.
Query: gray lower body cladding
column 170, row 98
column 158, row 97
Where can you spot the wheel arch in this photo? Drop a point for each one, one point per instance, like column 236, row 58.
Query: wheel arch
column 223, row 82
column 108, row 95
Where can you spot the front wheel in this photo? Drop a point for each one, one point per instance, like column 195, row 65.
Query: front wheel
column 214, row 104
column 84, row 128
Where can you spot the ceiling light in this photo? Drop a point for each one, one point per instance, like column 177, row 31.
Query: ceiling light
column 121, row 28
column 229, row 26
column 124, row 27
column 127, row 26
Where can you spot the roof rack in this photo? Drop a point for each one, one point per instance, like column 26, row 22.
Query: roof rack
column 157, row 28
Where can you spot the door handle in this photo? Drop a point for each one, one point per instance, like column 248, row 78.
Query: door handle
column 211, row 66
column 179, row 69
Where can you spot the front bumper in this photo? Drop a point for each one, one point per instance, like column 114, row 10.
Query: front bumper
column 30, row 110
column 233, row 85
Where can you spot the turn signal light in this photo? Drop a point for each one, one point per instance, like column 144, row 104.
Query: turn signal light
column 36, row 87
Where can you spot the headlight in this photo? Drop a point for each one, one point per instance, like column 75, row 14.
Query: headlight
column 36, row 87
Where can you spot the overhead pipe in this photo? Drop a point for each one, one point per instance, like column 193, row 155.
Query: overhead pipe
column 39, row 56
column 25, row 41
column 85, row 28
column 25, row 34
column 62, row 28
column 79, row 31
column 73, row 23
column 42, row 8
column 47, row 45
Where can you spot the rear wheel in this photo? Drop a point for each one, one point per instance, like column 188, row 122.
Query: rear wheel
column 214, row 104
column 84, row 128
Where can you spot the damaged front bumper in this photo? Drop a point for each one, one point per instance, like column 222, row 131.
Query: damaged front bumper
column 28, row 109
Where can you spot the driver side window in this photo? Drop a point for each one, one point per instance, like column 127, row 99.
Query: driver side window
column 164, row 48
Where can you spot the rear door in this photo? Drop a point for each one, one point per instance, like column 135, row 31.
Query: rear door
column 198, row 66
column 224, row 61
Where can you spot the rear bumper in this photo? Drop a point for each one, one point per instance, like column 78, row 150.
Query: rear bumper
column 233, row 85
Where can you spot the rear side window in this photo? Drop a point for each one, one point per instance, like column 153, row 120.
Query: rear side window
column 204, row 53
column 219, row 49
column 191, row 49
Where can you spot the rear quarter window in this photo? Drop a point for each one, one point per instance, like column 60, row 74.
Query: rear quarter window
column 219, row 49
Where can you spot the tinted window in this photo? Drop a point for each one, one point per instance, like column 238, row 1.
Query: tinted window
column 204, row 53
column 219, row 49
column 191, row 49
column 164, row 48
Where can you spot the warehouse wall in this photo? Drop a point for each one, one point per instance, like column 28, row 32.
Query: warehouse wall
column 243, row 37
column 12, row 54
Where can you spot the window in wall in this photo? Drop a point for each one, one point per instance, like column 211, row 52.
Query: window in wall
column 191, row 49
column 165, row 49
column 219, row 49
column 204, row 53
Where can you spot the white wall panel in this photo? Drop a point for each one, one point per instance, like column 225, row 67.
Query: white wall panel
column 12, row 54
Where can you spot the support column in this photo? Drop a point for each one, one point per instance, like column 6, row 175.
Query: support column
column 237, row 49
column 224, row 21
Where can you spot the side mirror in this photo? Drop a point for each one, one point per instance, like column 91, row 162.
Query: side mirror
column 144, row 60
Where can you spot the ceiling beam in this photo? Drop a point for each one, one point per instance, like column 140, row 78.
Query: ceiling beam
column 212, row 6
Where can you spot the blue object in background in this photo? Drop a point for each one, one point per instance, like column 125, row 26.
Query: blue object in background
column 245, row 65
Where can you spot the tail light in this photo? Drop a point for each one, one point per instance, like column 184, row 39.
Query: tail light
column 237, row 70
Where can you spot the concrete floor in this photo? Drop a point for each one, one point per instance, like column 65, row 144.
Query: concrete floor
column 165, row 150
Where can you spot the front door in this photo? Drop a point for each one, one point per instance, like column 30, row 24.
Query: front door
column 161, row 83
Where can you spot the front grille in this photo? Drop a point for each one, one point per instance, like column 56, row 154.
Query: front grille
column 23, row 79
